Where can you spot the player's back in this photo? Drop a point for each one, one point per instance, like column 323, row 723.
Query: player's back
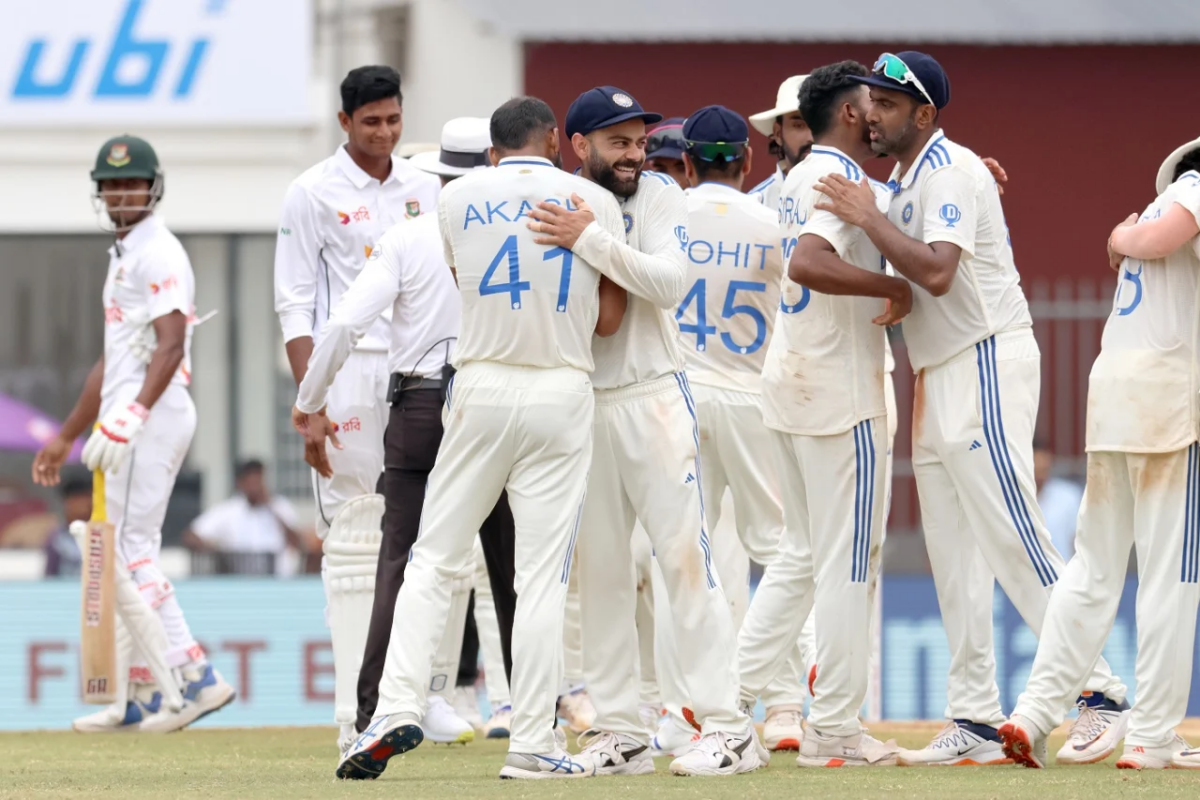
column 524, row 304
column 734, row 271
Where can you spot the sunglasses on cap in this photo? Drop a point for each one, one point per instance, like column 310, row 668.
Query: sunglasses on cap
column 892, row 68
column 711, row 151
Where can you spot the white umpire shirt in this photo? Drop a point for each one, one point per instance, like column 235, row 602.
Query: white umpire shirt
column 407, row 275
column 333, row 215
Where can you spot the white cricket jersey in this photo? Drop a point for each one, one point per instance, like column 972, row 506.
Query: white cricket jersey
column 651, row 264
column 1142, row 391
column 824, row 367
column 734, row 270
column 767, row 193
column 948, row 195
column 332, row 215
column 407, row 274
column 149, row 276
column 523, row 303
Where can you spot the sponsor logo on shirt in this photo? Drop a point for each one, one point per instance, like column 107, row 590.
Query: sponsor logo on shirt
column 343, row 218
column 950, row 214
column 113, row 314
column 170, row 283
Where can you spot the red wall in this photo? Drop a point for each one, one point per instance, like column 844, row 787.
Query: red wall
column 1080, row 130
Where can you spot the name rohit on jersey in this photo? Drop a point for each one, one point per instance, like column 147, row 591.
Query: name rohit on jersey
column 736, row 254
column 504, row 212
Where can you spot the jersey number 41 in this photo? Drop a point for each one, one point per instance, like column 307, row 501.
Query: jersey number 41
column 515, row 286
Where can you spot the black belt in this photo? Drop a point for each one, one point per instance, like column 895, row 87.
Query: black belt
column 400, row 383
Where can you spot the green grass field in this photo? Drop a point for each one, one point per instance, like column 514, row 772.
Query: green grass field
column 298, row 763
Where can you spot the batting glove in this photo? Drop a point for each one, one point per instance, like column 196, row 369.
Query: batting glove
column 108, row 445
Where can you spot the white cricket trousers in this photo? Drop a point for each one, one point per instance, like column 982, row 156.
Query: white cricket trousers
column 736, row 454
column 529, row 431
column 1152, row 502
column 834, row 502
column 358, row 403
column 973, row 422
column 136, row 494
column 646, row 465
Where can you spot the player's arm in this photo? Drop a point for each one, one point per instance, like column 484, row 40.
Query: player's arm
column 447, row 241
column 171, row 332
column 816, row 264
column 930, row 264
column 296, row 256
column 1155, row 238
column 49, row 460
column 613, row 300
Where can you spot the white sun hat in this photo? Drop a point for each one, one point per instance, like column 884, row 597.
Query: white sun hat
column 1166, row 172
column 787, row 100
column 464, row 148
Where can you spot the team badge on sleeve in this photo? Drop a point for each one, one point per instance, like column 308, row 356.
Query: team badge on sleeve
column 950, row 214
column 412, row 207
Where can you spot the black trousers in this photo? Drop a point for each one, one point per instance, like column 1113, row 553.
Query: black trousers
column 414, row 433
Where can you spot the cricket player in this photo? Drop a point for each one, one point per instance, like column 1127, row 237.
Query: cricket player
column 139, row 392
column 1143, row 489
column 518, row 416
column 823, row 399
column 971, row 343
column 332, row 215
column 725, row 322
column 788, row 136
column 643, row 396
column 664, row 149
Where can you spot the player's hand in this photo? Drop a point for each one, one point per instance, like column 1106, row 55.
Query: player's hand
column 109, row 444
column 997, row 172
column 49, row 460
column 849, row 201
column 1115, row 258
column 316, row 428
column 898, row 305
column 558, row 226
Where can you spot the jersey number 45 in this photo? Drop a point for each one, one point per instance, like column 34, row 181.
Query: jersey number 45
column 702, row 330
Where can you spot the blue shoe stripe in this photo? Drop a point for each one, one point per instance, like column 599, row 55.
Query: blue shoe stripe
column 993, row 433
column 686, row 390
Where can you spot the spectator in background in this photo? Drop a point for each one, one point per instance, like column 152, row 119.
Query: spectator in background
column 62, row 551
column 1059, row 498
column 251, row 530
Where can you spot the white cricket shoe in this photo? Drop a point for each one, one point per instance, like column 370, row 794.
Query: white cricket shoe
column 857, row 750
column 1186, row 759
column 1138, row 757
column 576, row 709
column 615, row 753
column 783, row 728
column 442, row 726
column 1024, row 743
column 544, row 766
column 1094, row 736
column 961, row 743
column 673, row 738
column 466, row 705
column 499, row 723
column 386, row 736
column 204, row 691
column 723, row 753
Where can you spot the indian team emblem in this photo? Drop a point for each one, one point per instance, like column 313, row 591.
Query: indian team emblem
column 412, row 207
column 118, row 155
column 906, row 214
column 628, row 223
column 623, row 100
column 950, row 214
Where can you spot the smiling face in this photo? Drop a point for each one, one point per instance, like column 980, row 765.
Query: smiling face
column 374, row 129
column 614, row 156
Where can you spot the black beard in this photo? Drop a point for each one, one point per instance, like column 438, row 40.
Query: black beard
column 605, row 174
column 795, row 158
column 557, row 160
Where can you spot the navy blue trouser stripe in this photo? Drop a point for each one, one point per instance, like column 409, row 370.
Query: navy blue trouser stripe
column 686, row 390
column 864, row 500
column 1189, row 571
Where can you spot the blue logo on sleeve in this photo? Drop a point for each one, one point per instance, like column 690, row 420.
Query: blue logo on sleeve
column 950, row 214
column 680, row 232
column 907, row 213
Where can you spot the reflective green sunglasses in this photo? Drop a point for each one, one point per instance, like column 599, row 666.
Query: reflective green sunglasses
column 711, row 151
column 892, row 68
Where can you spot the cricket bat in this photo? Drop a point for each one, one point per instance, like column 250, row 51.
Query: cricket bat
column 97, row 635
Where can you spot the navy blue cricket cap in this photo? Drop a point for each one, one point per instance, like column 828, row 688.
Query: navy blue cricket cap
column 716, row 124
column 889, row 73
column 665, row 140
column 604, row 106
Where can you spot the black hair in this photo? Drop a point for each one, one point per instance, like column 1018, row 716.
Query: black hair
column 364, row 85
column 516, row 123
column 244, row 468
column 719, row 168
column 76, row 485
column 1189, row 162
column 822, row 92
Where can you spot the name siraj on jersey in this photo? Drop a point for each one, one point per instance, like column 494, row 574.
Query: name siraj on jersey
column 506, row 211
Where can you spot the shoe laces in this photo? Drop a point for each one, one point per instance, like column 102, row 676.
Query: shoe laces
column 946, row 736
column 788, row 717
column 1090, row 724
column 593, row 740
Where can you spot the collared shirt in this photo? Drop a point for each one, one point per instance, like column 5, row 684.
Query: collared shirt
column 235, row 526
column 767, row 193
column 734, row 271
column 948, row 195
column 407, row 274
column 523, row 303
column 1142, row 394
column 149, row 276
column 332, row 215
column 652, row 266
column 824, row 368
